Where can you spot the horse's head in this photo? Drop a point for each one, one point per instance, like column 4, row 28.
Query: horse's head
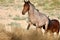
column 25, row 7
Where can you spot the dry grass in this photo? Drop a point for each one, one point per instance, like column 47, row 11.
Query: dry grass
column 22, row 34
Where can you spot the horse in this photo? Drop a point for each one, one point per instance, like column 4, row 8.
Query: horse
column 53, row 26
column 35, row 17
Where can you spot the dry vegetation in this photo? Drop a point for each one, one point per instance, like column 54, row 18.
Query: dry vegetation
column 13, row 24
column 21, row 34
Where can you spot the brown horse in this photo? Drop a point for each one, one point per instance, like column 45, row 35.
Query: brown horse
column 53, row 26
column 35, row 17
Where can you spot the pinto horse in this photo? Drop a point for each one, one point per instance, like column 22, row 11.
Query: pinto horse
column 35, row 17
column 53, row 26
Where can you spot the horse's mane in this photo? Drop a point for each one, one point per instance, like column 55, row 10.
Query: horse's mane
column 31, row 4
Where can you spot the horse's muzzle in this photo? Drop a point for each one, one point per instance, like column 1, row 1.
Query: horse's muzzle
column 23, row 13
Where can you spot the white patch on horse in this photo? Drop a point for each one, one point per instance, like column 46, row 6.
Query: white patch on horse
column 43, row 31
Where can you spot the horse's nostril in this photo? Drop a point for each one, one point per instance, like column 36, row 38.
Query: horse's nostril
column 23, row 13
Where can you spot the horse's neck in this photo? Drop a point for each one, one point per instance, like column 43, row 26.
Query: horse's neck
column 32, row 10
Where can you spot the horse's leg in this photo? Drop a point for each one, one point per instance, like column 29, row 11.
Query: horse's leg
column 57, row 31
column 37, row 27
column 28, row 25
column 43, row 31
column 46, row 25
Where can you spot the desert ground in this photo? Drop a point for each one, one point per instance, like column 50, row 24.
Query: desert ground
column 13, row 25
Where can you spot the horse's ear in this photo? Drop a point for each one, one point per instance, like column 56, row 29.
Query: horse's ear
column 26, row 1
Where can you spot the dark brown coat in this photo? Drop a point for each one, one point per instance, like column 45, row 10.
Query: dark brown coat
column 53, row 26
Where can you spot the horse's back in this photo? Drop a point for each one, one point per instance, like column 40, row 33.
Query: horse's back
column 41, row 17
